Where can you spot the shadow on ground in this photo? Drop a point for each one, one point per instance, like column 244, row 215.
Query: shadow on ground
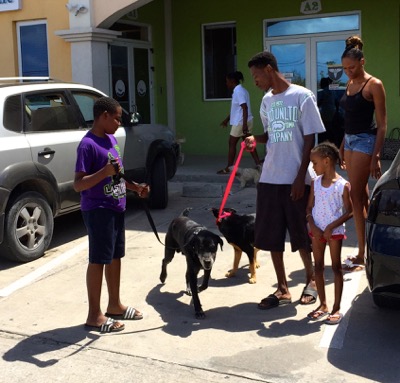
column 375, row 331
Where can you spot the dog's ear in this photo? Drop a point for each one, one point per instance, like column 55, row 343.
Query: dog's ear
column 215, row 211
column 220, row 241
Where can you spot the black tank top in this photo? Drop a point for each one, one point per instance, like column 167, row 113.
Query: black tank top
column 359, row 113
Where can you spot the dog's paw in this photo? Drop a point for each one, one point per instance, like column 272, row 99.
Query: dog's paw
column 200, row 314
column 163, row 276
column 188, row 292
column 252, row 280
column 230, row 273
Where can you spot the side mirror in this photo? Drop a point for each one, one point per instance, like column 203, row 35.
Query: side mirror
column 135, row 118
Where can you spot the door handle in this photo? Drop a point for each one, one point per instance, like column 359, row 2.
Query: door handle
column 46, row 152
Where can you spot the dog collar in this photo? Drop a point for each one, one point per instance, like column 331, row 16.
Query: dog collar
column 223, row 215
column 194, row 233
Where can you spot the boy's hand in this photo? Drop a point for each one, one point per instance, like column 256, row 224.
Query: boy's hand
column 143, row 190
column 110, row 169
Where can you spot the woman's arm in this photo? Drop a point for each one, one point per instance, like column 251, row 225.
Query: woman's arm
column 379, row 98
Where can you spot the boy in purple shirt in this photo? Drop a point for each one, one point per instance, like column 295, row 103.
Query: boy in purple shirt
column 103, row 203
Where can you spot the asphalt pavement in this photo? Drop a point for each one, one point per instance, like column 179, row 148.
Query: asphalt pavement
column 43, row 307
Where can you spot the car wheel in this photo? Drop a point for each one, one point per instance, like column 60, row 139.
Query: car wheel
column 158, row 185
column 29, row 228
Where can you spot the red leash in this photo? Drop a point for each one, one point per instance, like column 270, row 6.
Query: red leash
column 222, row 214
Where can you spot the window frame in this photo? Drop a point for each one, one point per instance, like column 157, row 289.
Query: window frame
column 309, row 17
column 21, row 24
column 227, row 24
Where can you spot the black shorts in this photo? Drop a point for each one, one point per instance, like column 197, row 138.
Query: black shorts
column 277, row 214
column 106, row 232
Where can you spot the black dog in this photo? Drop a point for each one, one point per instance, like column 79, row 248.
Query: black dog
column 199, row 245
column 238, row 229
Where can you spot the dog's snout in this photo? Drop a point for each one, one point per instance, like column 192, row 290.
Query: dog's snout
column 207, row 260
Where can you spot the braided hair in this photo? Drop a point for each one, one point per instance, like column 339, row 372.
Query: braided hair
column 327, row 149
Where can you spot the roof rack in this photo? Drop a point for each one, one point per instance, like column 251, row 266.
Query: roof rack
column 27, row 79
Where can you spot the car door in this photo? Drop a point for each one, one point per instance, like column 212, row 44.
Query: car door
column 53, row 130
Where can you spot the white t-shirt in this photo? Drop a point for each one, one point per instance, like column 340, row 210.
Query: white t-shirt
column 287, row 117
column 328, row 204
column 239, row 96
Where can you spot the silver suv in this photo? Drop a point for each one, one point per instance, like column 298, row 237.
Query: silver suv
column 41, row 124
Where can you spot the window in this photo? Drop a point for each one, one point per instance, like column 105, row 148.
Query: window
column 219, row 59
column 86, row 102
column 12, row 114
column 32, row 48
column 305, row 26
column 49, row 112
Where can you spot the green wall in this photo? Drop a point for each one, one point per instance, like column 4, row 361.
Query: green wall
column 198, row 121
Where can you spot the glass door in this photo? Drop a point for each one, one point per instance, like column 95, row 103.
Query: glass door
column 131, row 79
column 304, row 61
column 293, row 59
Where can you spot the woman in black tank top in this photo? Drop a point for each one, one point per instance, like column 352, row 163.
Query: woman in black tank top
column 363, row 100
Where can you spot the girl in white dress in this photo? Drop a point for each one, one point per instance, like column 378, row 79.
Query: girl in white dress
column 329, row 207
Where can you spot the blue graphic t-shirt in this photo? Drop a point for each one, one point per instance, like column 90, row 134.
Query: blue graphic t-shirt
column 287, row 117
column 92, row 155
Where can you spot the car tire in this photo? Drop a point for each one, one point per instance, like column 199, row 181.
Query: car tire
column 158, row 198
column 29, row 222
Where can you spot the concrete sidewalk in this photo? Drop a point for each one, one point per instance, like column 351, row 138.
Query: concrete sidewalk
column 41, row 326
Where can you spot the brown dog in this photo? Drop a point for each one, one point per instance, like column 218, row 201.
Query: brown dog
column 238, row 229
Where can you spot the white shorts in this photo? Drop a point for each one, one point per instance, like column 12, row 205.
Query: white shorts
column 237, row 130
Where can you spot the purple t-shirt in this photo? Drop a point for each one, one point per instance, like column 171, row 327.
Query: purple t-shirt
column 93, row 154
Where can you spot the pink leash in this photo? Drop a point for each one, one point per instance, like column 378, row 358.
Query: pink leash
column 222, row 214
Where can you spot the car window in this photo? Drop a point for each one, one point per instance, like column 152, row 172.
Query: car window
column 46, row 112
column 85, row 101
column 12, row 116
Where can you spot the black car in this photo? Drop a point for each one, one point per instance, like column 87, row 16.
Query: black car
column 383, row 238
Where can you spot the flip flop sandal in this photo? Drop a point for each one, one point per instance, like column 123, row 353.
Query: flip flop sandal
column 272, row 301
column 317, row 314
column 337, row 320
column 350, row 267
column 106, row 327
column 223, row 171
column 129, row 314
column 311, row 292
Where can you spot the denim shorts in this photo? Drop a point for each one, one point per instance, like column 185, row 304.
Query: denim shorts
column 106, row 232
column 361, row 142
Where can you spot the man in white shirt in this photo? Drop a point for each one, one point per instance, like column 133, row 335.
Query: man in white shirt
column 291, row 119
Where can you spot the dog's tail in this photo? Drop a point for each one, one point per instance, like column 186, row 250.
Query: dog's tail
column 185, row 213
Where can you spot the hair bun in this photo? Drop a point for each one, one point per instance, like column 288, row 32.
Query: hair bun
column 354, row 42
